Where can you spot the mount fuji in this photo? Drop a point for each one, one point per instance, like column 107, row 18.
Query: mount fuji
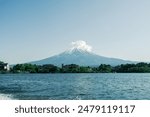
column 80, row 54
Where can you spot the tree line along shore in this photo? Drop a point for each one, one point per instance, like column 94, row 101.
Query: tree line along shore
column 73, row 68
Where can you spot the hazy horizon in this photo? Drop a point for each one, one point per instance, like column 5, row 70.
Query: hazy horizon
column 35, row 29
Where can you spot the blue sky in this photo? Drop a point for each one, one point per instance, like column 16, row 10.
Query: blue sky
column 36, row 29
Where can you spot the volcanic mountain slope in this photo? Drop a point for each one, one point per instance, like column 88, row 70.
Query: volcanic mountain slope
column 80, row 57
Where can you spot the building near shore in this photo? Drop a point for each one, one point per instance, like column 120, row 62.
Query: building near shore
column 4, row 67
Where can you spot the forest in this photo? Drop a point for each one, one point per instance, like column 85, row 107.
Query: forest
column 73, row 68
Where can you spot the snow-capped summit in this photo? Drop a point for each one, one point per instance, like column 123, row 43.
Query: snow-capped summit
column 81, row 54
column 80, row 46
column 76, row 50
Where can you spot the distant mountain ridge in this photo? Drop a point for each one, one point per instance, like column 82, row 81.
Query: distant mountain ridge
column 80, row 57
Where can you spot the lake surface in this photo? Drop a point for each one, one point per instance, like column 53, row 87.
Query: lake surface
column 112, row 86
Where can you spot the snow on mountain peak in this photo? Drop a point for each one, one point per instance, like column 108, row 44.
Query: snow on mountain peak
column 80, row 46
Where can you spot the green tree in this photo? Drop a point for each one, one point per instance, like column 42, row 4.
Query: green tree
column 48, row 68
column 71, row 68
column 104, row 68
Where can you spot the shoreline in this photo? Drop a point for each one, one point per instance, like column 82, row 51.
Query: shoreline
column 6, row 97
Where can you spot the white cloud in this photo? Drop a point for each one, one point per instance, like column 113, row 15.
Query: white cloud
column 81, row 45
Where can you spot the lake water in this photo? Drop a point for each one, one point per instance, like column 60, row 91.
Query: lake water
column 112, row 86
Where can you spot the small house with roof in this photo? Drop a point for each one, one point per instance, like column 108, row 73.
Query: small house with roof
column 4, row 67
